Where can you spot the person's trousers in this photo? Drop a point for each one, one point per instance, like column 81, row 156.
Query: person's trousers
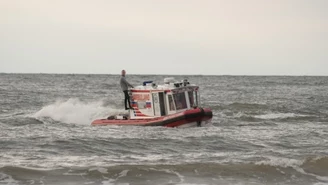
column 127, row 99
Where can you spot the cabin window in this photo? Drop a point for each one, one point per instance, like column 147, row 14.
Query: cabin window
column 171, row 103
column 193, row 98
column 180, row 100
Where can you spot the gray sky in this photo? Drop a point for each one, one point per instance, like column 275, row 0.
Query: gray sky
column 210, row 37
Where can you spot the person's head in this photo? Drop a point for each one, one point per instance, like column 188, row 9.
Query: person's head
column 123, row 72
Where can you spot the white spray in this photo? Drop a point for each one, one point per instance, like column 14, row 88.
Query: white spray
column 75, row 111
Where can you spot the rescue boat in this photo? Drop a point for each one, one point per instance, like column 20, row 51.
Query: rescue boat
column 173, row 104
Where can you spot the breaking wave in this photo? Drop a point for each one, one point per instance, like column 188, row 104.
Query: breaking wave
column 297, row 170
column 278, row 116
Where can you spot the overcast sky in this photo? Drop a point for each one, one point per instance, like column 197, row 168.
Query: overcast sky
column 209, row 37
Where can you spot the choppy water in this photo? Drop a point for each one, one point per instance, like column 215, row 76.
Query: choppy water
column 266, row 130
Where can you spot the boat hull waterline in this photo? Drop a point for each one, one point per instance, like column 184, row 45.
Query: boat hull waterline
column 192, row 117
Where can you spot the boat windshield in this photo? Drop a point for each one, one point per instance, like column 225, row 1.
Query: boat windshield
column 171, row 103
column 193, row 98
column 180, row 100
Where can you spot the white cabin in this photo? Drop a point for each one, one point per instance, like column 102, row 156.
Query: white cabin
column 151, row 100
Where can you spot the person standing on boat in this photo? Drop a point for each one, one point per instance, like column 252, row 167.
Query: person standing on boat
column 125, row 85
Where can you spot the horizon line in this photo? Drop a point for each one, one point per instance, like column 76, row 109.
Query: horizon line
column 158, row 74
